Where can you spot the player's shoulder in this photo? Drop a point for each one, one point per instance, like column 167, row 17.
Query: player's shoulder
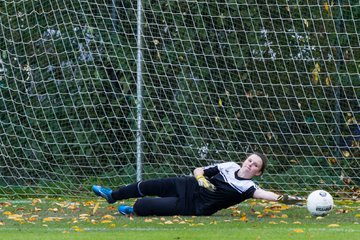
column 228, row 165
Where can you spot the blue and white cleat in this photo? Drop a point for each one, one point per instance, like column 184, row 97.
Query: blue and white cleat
column 103, row 192
column 125, row 210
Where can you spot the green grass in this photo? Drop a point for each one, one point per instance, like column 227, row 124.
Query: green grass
column 64, row 219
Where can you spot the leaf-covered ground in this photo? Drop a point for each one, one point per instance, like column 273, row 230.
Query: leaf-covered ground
column 89, row 219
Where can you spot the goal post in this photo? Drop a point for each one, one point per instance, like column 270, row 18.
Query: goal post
column 216, row 80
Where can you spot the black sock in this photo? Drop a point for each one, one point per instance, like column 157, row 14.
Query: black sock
column 126, row 192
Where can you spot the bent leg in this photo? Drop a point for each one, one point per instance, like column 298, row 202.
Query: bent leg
column 166, row 187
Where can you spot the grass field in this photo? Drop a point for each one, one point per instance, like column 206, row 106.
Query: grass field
column 66, row 219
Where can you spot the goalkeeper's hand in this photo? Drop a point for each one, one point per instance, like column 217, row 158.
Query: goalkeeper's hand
column 203, row 182
column 287, row 199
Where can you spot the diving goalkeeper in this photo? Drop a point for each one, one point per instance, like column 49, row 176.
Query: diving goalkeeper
column 211, row 189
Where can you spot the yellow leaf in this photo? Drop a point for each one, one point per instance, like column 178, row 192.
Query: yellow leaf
column 220, row 102
column 108, row 217
column 36, row 201
column 32, row 219
column 243, row 219
column 12, row 216
column 106, row 221
column 346, row 153
column 48, row 219
column 89, row 203
column 297, row 230
column 315, row 73
column 328, row 81
column 72, row 207
column 357, row 215
column 77, row 229
column 326, row 6
column 96, row 208
column 334, row 225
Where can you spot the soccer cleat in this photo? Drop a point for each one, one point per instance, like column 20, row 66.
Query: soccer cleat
column 125, row 210
column 103, row 192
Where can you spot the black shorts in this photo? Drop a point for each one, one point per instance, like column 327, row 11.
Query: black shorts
column 175, row 196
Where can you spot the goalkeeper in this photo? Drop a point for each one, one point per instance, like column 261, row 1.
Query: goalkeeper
column 211, row 189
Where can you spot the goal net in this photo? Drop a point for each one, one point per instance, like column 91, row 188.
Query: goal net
column 92, row 92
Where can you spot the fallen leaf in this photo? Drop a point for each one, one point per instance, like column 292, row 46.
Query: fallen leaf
column 297, row 230
column 48, row 219
column 77, row 229
column 36, row 201
column 106, row 221
column 95, row 208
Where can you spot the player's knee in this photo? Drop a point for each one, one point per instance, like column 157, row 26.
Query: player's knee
column 141, row 209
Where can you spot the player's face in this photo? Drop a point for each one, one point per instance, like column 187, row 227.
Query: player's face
column 252, row 165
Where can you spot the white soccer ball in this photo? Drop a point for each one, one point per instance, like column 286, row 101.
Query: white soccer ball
column 320, row 203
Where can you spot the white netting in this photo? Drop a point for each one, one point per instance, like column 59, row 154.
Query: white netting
column 219, row 80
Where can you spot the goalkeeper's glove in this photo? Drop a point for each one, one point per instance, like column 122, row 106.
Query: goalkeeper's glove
column 287, row 199
column 203, row 182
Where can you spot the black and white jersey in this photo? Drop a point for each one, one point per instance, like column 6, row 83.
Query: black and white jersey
column 230, row 189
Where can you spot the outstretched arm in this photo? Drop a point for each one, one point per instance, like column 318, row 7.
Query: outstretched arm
column 287, row 199
column 267, row 195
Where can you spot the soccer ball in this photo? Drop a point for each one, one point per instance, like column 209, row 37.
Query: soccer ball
column 320, row 203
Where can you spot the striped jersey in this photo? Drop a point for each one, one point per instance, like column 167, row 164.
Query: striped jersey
column 230, row 188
